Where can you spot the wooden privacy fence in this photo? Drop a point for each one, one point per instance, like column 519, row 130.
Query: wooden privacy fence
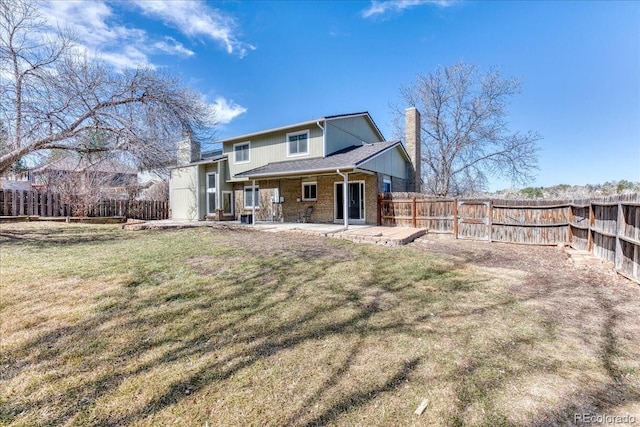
column 607, row 227
column 46, row 204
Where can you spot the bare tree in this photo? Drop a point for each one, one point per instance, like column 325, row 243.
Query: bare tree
column 79, row 189
column 53, row 96
column 465, row 135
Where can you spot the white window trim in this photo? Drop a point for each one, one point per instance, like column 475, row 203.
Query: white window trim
column 244, row 192
column 235, row 162
column 227, row 213
column 310, row 183
column 211, row 192
column 308, row 143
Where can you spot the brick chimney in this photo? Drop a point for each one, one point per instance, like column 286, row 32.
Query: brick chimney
column 188, row 150
column 413, row 147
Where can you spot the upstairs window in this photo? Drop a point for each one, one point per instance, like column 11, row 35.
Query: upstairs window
column 298, row 143
column 241, row 152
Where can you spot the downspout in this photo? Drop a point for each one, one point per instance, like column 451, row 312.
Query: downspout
column 253, row 202
column 324, row 146
column 345, row 196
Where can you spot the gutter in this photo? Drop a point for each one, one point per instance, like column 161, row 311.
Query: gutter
column 290, row 174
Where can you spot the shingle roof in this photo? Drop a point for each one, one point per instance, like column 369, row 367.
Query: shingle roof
column 348, row 158
column 307, row 123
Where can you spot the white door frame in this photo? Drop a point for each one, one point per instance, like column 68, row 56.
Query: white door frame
column 362, row 201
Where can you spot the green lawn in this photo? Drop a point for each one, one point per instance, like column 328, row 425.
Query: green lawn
column 197, row 327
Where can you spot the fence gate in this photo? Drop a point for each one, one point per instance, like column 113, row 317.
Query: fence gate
column 473, row 220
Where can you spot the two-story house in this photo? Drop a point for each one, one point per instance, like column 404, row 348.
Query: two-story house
column 319, row 170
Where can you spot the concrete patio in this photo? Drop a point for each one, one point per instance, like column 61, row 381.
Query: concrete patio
column 390, row 236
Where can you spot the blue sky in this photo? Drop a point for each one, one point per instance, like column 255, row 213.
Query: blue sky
column 266, row 64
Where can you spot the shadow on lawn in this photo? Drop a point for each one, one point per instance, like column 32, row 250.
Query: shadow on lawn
column 598, row 399
column 254, row 295
column 51, row 235
column 220, row 319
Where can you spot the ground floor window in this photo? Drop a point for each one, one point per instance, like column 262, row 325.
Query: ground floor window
column 386, row 184
column 250, row 199
column 211, row 193
column 309, row 191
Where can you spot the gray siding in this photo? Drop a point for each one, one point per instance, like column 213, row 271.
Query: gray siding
column 392, row 163
column 349, row 131
column 271, row 148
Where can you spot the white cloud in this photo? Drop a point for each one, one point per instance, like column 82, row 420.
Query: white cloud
column 97, row 31
column 227, row 110
column 100, row 30
column 195, row 18
column 383, row 7
column 172, row 47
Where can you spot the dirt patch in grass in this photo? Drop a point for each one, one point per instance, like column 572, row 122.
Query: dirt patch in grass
column 588, row 312
column 103, row 327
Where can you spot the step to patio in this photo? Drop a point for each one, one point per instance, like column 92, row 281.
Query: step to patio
column 388, row 236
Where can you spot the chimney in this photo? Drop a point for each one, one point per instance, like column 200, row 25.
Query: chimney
column 412, row 145
column 188, row 150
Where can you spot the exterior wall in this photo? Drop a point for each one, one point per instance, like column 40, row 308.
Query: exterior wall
column 349, row 131
column 272, row 148
column 391, row 163
column 183, row 198
column 397, row 184
column 292, row 210
column 266, row 210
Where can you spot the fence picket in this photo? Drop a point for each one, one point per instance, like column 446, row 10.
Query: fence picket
column 46, row 204
column 607, row 227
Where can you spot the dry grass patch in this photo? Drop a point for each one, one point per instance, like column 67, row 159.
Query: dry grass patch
column 107, row 328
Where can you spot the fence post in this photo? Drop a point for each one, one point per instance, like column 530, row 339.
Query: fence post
column 14, row 204
column 379, row 211
column 21, row 202
column 490, row 220
column 570, row 230
column 29, row 203
column 590, row 230
column 413, row 212
column 618, row 253
column 455, row 218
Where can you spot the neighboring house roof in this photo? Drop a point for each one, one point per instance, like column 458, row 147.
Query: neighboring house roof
column 307, row 123
column 73, row 163
column 349, row 158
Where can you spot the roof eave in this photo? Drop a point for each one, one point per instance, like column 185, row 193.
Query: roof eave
column 297, row 173
column 248, row 136
column 201, row 162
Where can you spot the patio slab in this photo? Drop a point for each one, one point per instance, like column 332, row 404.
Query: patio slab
column 390, row 236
